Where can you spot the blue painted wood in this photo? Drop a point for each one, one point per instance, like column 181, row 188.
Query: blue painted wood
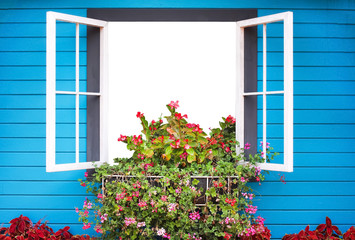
column 283, row 5
column 303, row 189
column 34, row 15
column 39, row 58
column 315, row 16
column 38, row 72
column 39, row 44
column 324, row 113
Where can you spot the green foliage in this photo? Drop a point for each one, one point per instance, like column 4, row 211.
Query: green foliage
column 156, row 191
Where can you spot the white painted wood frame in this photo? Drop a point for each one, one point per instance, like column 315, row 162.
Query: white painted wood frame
column 51, row 92
column 287, row 18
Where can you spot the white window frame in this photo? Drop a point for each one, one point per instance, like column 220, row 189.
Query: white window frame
column 51, row 92
column 52, row 17
column 287, row 18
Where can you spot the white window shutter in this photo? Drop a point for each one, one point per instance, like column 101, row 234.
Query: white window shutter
column 51, row 165
column 287, row 18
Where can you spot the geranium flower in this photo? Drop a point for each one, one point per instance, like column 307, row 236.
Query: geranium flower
column 140, row 115
column 86, row 226
column 122, row 138
column 173, row 104
column 247, row 146
column 179, row 117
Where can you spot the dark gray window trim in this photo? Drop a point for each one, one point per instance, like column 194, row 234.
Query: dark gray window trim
column 169, row 14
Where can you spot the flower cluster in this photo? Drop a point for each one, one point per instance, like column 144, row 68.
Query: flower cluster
column 157, row 191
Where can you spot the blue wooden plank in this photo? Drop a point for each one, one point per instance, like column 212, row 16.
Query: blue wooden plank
column 38, row 173
column 311, row 44
column 283, row 217
column 316, row 15
column 312, row 73
column 305, row 202
column 324, row 159
column 39, row 116
column 37, row 87
column 39, row 44
column 38, row 30
column 315, row 174
column 43, row 202
column 331, row 59
column 39, row 58
column 38, row 144
column 309, row 131
column 312, row 30
column 304, row 189
column 34, row 15
column 42, row 188
column 313, row 87
column 282, row 5
column 39, row 130
column 312, row 116
column 53, row 216
column 38, row 72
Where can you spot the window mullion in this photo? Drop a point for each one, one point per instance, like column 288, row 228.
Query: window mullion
column 77, row 100
column 264, row 91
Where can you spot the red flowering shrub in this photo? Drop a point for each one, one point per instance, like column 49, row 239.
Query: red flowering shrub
column 22, row 228
column 325, row 231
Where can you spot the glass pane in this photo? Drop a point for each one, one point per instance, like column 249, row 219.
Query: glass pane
column 275, row 127
column 82, row 130
column 65, row 56
column 65, row 129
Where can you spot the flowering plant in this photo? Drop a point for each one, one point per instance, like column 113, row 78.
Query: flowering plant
column 133, row 204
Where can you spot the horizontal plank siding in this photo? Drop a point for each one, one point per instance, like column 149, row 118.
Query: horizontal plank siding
column 323, row 181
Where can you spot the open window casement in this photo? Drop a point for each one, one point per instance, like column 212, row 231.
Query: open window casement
column 52, row 94
column 211, row 62
column 243, row 96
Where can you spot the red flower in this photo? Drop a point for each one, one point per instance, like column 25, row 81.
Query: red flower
column 140, row 115
column 230, row 119
column 174, row 104
column 179, row 117
column 122, row 138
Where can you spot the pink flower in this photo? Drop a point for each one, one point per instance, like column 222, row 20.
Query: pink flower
column 161, row 232
column 140, row 224
column 242, row 179
column 77, row 210
column 247, row 146
column 87, row 226
column 187, row 146
column 174, row 104
column 164, row 198
column 99, row 195
column 142, row 204
column 228, row 149
column 230, row 119
column 179, row 117
column 86, row 174
column 122, row 138
column 194, row 216
column 140, row 115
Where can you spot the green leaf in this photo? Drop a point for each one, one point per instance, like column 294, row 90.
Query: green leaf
column 190, row 151
column 168, row 150
column 191, row 158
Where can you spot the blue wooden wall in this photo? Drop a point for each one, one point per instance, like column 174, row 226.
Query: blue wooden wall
column 323, row 181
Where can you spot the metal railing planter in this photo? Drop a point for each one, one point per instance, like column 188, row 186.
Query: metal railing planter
column 205, row 183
